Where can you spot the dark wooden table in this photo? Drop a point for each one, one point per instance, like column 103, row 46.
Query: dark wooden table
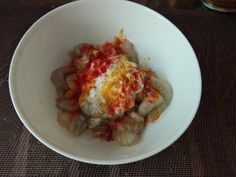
column 207, row 148
column 183, row 4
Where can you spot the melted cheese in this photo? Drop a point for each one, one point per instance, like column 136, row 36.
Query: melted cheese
column 114, row 91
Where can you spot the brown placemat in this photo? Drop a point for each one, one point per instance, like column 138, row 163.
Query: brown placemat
column 207, row 148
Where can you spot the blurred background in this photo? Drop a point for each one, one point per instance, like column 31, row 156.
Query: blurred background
column 162, row 3
column 219, row 5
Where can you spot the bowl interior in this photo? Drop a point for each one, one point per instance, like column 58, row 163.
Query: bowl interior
column 44, row 48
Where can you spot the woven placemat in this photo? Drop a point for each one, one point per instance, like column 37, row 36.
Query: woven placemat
column 207, row 148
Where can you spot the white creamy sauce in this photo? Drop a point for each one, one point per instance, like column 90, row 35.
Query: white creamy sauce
column 92, row 103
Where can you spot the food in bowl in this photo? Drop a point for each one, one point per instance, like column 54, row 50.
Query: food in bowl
column 104, row 89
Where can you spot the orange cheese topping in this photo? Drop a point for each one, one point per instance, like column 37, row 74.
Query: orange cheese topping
column 119, row 92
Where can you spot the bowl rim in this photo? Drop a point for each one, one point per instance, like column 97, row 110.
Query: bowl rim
column 21, row 115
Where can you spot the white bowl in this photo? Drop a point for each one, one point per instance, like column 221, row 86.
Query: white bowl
column 45, row 45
